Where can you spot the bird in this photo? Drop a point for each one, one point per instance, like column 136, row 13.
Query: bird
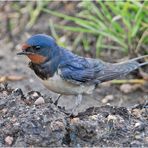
column 66, row 73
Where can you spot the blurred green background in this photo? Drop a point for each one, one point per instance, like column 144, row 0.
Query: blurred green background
column 92, row 28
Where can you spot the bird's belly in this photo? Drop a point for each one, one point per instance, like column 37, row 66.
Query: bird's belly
column 58, row 85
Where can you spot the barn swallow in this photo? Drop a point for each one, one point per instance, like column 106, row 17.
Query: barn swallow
column 66, row 73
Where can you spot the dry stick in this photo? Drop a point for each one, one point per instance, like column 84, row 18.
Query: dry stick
column 11, row 78
column 132, row 81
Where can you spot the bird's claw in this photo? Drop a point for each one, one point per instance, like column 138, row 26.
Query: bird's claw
column 57, row 100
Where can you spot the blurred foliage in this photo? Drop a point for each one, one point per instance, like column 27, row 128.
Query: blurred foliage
column 117, row 25
column 34, row 13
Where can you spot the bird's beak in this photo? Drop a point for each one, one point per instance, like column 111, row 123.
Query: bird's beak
column 23, row 48
column 22, row 53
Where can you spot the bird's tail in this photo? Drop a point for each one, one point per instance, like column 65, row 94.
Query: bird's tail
column 114, row 71
column 131, row 65
column 139, row 58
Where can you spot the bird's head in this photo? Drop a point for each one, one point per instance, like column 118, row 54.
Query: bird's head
column 38, row 48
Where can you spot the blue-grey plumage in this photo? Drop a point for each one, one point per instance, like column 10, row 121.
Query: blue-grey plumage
column 63, row 72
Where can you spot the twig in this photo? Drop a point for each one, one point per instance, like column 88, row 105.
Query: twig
column 132, row 81
column 140, row 41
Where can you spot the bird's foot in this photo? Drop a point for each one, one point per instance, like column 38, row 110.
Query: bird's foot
column 74, row 111
column 57, row 100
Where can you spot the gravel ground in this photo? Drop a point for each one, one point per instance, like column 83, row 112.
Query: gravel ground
column 30, row 120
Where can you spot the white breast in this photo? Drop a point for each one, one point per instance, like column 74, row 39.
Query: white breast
column 58, row 85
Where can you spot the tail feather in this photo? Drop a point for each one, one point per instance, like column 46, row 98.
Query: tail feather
column 142, row 64
column 114, row 71
column 138, row 58
column 133, row 64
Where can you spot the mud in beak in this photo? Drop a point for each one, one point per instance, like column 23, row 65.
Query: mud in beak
column 24, row 52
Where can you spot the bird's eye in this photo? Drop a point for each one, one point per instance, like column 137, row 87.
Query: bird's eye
column 37, row 47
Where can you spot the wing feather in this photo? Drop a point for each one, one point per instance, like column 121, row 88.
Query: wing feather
column 80, row 71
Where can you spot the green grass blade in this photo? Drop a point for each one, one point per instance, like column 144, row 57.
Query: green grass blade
column 113, row 47
column 98, row 45
column 105, row 10
column 75, row 29
column 69, row 18
column 138, row 19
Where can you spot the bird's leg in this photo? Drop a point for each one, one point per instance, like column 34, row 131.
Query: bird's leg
column 77, row 103
column 57, row 100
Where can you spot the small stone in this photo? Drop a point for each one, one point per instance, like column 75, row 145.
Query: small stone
column 137, row 137
column 56, row 125
column 94, row 117
column 31, row 80
column 107, row 98
column 74, row 120
column 4, row 110
column 137, row 112
column 137, row 124
column 135, row 143
column 111, row 117
column 9, row 140
column 126, row 88
column 146, row 139
column 35, row 94
column 105, row 84
column 5, row 92
column 39, row 101
column 140, row 126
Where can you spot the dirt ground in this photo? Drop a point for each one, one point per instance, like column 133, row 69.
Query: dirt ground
column 26, row 123
column 13, row 67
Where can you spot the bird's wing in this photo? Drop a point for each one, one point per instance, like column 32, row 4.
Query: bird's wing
column 91, row 71
column 80, row 70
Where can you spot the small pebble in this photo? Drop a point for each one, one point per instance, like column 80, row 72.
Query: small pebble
column 140, row 126
column 35, row 94
column 137, row 124
column 137, row 112
column 31, row 80
column 56, row 125
column 4, row 110
column 126, row 88
column 111, row 117
column 9, row 140
column 94, row 117
column 105, row 84
column 5, row 93
column 107, row 98
column 146, row 139
column 137, row 137
column 39, row 101
column 74, row 120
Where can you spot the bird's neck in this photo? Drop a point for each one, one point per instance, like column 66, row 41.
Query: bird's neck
column 50, row 67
